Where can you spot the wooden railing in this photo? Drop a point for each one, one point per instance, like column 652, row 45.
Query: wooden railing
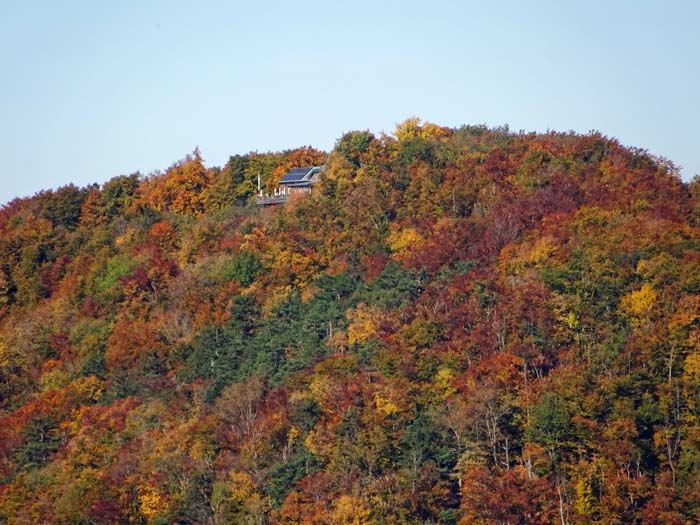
column 268, row 200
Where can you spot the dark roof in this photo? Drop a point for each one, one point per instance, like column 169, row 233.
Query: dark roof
column 295, row 175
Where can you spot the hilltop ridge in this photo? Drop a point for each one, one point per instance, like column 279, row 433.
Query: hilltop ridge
column 455, row 326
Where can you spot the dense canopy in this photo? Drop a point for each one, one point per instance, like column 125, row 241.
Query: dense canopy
column 458, row 326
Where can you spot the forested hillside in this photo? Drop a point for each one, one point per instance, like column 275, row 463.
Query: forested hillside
column 459, row 326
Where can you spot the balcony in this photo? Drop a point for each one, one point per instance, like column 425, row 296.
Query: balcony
column 269, row 200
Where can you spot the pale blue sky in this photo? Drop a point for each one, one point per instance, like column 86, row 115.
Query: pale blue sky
column 94, row 89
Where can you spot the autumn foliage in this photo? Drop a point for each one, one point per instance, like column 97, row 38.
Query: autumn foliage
column 458, row 326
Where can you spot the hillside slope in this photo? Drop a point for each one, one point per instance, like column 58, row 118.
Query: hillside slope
column 461, row 326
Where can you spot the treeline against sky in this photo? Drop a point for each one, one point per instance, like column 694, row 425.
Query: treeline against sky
column 459, row 326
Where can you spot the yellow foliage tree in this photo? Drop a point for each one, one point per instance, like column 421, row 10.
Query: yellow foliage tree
column 350, row 510
column 364, row 322
column 517, row 258
column 237, row 500
column 403, row 241
column 413, row 128
column 639, row 303
column 150, row 501
column 181, row 189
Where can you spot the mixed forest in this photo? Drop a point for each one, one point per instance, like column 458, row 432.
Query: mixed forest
column 458, row 326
